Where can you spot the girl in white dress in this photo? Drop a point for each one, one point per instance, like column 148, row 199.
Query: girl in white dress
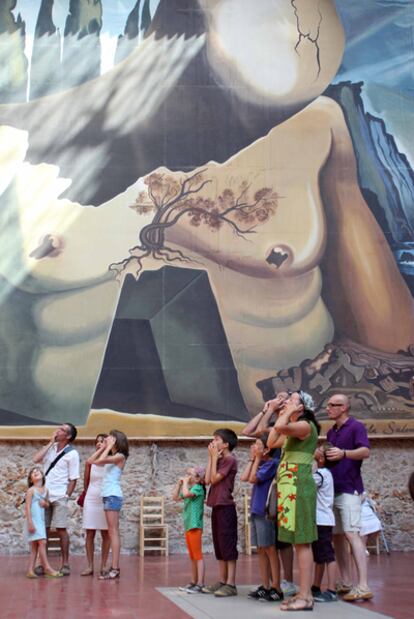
column 93, row 513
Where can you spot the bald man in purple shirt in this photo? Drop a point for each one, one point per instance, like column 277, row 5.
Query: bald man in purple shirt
column 350, row 447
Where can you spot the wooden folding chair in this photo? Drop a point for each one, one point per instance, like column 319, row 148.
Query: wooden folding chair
column 153, row 532
column 53, row 542
column 373, row 542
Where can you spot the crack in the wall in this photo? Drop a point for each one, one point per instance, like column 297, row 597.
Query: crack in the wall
column 308, row 35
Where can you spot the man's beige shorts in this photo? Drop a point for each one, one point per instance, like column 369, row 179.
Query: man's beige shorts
column 347, row 510
column 56, row 516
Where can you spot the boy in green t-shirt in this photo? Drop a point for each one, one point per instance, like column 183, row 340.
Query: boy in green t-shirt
column 192, row 491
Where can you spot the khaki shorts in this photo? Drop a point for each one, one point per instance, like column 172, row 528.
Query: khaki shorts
column 56, row 515
column 347, row 510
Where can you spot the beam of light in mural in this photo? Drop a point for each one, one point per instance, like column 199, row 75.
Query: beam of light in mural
column 103, row 109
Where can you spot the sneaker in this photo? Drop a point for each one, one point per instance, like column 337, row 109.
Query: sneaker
column 273, row 595
column 258, row 594
column 212, row 588
column 187, row 588
column 226, row 591
column 195, row 589
column 65, row 570
column 358, row 593
column 288, row 588
column 39, row 570
column 325, row 596
column 315, row 590
column 341, row 587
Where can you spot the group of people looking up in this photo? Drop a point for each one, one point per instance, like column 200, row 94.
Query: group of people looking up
column 318, row 492
column 318, row 505
column 52, row 482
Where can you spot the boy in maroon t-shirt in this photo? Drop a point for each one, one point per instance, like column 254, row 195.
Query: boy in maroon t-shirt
column 220, row 473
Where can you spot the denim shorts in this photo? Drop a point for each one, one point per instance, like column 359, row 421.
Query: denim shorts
column 112, row 503
column 263, row 531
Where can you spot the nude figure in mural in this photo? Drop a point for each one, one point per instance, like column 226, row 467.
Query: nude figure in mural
column 268, row 285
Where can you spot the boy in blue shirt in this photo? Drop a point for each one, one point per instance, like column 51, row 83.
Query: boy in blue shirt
column 260, row 471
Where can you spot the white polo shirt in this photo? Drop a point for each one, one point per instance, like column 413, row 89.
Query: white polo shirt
column 64, row 471
column 325, row 497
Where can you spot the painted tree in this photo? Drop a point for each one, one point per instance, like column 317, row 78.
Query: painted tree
column 171, row 198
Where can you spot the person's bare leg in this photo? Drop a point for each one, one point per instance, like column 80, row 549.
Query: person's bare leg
column 318, row 574
column 305, row 562
column 286, row 557
column 360, row 558
column 331, row 571
column 37, row 561
column 273, row 562
column 231, row 572
column 263, row 567
column 201, row 570
column 105, row 547
column 194, row 571
column 43, row 558
column 303, row 598
column 223, row 572
column 342, row 558
column 64, row 545
column 90, row 549
column 32, row 558
column 112, row 518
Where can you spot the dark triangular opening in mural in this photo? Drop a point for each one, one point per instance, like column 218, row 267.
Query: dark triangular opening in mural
column 167, row 352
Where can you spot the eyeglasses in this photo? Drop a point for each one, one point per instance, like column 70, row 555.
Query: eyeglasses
column 332, row 404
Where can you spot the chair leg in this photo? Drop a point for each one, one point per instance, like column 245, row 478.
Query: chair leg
column 141, row 542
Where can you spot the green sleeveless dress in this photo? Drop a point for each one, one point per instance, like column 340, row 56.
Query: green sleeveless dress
column 296, row 491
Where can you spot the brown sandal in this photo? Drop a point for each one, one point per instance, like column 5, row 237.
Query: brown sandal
column 297, row 603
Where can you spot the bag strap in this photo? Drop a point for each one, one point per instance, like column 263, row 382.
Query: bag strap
column 64, row 451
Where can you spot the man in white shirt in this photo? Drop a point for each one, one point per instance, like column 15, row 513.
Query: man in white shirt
column 61, row 466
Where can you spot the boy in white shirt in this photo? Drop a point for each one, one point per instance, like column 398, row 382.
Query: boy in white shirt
column 323, row 551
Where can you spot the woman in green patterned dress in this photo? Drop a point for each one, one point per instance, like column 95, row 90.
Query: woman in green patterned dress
column 296, row 488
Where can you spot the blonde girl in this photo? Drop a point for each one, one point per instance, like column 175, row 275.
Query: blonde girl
column 35, row 503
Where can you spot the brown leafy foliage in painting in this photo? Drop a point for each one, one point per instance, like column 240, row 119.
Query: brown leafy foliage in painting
column 171, row 198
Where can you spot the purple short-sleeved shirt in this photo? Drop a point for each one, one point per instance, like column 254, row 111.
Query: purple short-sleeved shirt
column 347, row 473
column 264, row 475
column 222, row 493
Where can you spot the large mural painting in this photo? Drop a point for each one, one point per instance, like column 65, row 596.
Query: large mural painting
column 204, row 202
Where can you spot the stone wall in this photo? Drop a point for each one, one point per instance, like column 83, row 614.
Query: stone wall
column 153, row 468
